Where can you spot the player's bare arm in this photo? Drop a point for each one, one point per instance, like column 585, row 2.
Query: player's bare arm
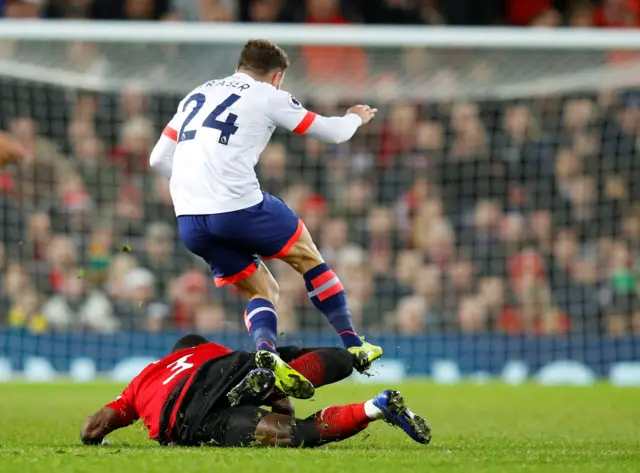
column 99, row 425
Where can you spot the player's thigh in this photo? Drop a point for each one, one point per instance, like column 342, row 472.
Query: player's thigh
column 229, row 262
column 275, row 228
column 245, row 426
column 286, row 237
column 304, row 254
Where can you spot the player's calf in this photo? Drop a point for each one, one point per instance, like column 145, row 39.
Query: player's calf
column 324, row 287
column 262, row 323
column 325, row 365
column 260, row 316
column 341, row 422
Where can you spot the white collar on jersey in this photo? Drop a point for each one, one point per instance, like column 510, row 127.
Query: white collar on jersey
column 245, row 76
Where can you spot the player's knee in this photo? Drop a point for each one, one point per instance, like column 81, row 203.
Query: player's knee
column 304, row 256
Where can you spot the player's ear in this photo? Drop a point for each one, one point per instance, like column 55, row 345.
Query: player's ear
column 277, row 78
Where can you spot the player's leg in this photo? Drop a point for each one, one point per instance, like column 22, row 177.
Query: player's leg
column 284, row 236
column 322, row 365
column 328, row 296
column 233, row 264
column 337, row 423
column 246, row 426
column 277, row 232
column 260, row 317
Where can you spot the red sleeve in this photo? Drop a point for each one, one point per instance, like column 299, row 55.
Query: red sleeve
column 124, row 406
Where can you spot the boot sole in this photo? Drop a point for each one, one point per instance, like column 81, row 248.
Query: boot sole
column 288, row 380
column 254, row 384
column 398, row 406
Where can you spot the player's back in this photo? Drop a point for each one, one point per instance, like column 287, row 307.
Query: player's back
column 145, row 396
column 221, row 131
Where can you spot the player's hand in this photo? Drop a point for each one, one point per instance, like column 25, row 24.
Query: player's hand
column 283, row 406
column 365, row 112
column 10, row 150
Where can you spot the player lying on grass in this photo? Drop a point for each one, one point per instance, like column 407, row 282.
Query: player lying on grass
column 185, row 399
column 208, row 152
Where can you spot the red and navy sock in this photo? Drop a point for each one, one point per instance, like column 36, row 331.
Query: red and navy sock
column 330, row 425
column 324, row 365
column 262, row 322
column 327, row 294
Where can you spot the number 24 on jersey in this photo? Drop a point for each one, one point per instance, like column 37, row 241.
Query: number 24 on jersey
column 227, row 127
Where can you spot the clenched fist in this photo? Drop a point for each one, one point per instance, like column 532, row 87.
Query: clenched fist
column 10, row 150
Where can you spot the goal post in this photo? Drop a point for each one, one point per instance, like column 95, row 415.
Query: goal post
column 489, row 214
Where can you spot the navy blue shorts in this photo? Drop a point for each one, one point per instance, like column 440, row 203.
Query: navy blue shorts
column 232, row 243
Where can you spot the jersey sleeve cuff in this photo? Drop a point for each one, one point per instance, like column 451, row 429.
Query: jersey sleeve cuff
column 355, row 117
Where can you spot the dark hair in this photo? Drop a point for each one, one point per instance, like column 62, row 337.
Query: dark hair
column 262, row 57
column 189, row 341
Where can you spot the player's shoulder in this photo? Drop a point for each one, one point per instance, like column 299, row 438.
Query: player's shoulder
column 283, row 99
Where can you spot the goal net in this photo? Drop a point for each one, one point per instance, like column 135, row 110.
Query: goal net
column 490, row 212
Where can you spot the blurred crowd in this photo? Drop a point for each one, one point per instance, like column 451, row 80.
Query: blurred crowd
column 456, row 216
column 597, row 13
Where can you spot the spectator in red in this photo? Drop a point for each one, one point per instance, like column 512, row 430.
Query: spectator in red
column 537, row 312
column 336, row 64
column 62, row 258
column 532, row 12
column 617, row 14
column 38, row 236
column 190, row 293
column 398, row 134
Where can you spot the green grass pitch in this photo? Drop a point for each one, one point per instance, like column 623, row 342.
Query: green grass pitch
column 491, row 428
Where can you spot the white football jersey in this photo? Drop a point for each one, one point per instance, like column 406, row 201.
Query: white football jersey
column 220, row 129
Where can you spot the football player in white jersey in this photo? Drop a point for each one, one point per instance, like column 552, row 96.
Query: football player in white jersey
column 208, row 152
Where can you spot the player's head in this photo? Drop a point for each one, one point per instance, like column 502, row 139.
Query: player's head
column 189, row 341
column 264, row 60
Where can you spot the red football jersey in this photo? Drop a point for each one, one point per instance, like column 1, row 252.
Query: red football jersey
column 145, row 396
